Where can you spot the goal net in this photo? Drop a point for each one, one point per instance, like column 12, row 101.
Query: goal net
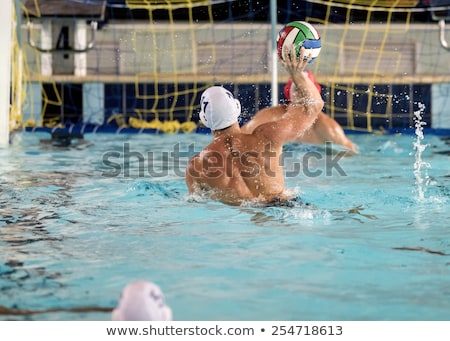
column 141, row 65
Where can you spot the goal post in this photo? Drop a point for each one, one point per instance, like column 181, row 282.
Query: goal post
column 141, row 65
column 6, row 18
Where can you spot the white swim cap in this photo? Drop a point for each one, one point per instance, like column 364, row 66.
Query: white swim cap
column 142, row 301
column 219, row 108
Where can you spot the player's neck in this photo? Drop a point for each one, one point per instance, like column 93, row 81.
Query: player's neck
column 233, row 129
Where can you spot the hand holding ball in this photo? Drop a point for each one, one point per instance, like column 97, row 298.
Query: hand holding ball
column 296, row 34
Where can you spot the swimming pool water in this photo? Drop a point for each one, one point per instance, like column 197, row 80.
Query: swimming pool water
column 78, row 223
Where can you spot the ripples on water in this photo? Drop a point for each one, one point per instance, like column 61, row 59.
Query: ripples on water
column 71, row 237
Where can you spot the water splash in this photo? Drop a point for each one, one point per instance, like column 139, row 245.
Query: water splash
column 420, row 167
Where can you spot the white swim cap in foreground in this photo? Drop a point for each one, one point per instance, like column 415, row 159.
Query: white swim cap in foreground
column 142, row 301
column 219, row 108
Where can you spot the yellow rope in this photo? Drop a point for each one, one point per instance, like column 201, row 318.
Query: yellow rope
column 168, row 127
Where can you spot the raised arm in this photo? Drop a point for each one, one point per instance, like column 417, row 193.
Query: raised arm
column 325, row 129
column 304, row 108
column 303, row 92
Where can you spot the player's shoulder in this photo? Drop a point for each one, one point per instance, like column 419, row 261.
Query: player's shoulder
column 273, row 132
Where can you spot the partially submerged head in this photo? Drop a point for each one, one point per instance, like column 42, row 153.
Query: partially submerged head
column 142, row 301
column 219, row 108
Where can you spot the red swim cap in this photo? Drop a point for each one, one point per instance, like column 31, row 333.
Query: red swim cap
column 287, row 87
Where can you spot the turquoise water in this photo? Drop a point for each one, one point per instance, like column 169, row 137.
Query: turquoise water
column 78, row 223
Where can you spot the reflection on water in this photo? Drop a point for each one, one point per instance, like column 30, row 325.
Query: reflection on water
column 71, row 239
column 30, row 207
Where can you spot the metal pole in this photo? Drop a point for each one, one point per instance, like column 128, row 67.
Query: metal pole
column 80, row 59
column 274, row 33
column 18, row 81
column 5, row 70
column 46, row 43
